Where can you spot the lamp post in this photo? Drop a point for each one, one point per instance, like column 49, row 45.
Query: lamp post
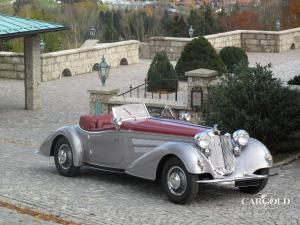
column 42, row 45
column 92, row 32
column 103, row 70
column 277, row 25
column 191, row 31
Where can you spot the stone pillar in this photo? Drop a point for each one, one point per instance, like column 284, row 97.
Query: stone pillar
column 32, row 63
column 198, row 82
column 99, row 100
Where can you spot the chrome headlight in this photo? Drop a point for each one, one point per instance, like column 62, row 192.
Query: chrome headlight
column 203, row 140
column 241, row 137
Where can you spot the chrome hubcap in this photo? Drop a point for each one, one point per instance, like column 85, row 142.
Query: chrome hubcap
column 176, row 180
column 65, row 156
column 62, row 156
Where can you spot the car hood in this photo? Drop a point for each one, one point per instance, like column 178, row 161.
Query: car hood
column 164, row 126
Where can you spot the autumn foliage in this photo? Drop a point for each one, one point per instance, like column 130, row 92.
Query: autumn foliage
column 245, row 20
column 291, row 17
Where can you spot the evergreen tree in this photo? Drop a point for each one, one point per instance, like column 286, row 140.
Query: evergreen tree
column 252, row 99
column 198, row 53
column 210, row 21
column 179, row 27
column 161, row 74
column 166, row 24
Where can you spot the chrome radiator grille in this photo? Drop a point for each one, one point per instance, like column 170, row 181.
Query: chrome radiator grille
column 222, row 158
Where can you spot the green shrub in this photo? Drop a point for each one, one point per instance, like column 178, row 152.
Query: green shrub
column 198, row 53
column 231, row 56
column 252, row 99
column 294, row 81
column 161, row 74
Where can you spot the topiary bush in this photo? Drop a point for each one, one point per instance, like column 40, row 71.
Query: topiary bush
column 231, row 56
column 294, row 81
column 198, row 53
column 252, row 99
column 161, row 74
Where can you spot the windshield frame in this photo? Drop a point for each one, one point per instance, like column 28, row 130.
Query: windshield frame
column 114, row 109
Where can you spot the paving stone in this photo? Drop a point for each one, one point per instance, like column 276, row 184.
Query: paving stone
column 95, row 197
column 10, row 217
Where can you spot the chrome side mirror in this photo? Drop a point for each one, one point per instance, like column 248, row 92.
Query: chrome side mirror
column 186, row 116
column 117, row 121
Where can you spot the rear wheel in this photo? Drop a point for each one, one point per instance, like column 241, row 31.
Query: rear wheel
column 63, row 158
column 179, row 185
column 261, row 183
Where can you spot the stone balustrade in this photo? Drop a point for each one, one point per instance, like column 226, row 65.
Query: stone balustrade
column 251, row 41
column 71, row 62
column 11, row 65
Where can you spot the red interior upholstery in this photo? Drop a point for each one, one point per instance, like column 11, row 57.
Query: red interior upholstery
column 96, row 123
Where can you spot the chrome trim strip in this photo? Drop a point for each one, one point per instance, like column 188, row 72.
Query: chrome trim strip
column 142, row 142
column 248, row 177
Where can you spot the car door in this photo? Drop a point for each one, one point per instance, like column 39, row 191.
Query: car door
column 105, row 148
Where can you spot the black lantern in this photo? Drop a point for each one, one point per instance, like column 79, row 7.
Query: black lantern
column 103, row 71
column 92, row 32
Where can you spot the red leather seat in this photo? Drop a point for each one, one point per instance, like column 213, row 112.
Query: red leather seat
column 96, row 122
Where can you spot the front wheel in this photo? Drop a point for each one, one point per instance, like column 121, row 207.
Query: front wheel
column 261, row 183
column 179, row 185
column 63, row 158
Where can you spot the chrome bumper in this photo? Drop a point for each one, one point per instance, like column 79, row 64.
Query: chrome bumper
column 230, row 180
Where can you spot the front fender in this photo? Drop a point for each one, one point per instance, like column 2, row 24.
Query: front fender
column 253, row 157
column 69, row 132
column 146, row 165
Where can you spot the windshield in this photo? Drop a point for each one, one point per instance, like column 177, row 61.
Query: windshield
column 131, row 111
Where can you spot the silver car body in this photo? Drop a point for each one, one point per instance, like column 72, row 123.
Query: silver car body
column 141, row 153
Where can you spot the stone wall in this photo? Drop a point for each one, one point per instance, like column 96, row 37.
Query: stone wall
column 11, row 65
column 251, row 41
column 54, row 65
column 144, row 51
column 222, row 40
column 287, row 38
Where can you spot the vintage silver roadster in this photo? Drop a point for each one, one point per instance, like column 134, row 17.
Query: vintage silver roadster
column 180, row 154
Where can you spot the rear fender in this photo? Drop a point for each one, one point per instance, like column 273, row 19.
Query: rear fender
column 72, row 136
column 146, row 166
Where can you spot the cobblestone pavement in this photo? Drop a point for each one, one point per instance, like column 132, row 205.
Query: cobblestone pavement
column 285, row 65
column 96, row 197
column 10, row 217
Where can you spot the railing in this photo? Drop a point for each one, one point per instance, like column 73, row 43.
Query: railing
column 144, row 87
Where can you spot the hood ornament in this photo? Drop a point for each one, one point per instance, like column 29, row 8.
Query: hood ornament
column 216, row 130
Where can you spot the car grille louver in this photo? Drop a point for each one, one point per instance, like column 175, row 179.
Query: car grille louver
column 222, row 158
